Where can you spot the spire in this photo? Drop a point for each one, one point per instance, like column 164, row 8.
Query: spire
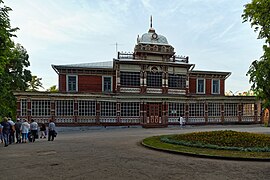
column 151, row 29
column 151, row 26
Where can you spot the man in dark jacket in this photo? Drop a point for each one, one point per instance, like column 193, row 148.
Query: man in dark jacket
column 18, row 125
column 6, row 130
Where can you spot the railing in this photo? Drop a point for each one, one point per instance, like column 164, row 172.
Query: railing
column 175, row 58
column 125, row 55
column 178, row 58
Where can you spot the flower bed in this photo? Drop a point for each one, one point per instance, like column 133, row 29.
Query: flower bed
column 222, row 140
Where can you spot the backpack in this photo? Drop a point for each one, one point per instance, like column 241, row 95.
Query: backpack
column 6, row 127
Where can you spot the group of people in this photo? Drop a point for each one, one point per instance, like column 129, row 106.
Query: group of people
column 24, row 131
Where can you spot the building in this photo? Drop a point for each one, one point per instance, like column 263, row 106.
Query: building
column 151, row 87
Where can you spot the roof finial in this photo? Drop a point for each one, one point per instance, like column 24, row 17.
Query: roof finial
column 151, row 22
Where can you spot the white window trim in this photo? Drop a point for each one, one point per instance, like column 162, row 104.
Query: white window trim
column 212, row 87
column 68, row 75
column 103, row 82
column 198, row 86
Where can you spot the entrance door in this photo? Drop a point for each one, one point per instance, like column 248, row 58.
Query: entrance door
column 154, row 113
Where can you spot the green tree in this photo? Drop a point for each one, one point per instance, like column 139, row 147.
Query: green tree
column 34, row 84
column 257, row 13
column 16, row 70
column 13, row 64
column 52, row 89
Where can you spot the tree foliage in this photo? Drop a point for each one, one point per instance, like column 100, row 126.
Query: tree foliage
column 52, row 89
column 6, row 32
column 34, row 84
column 13, row 63
column 257, row 13
column 259, row 73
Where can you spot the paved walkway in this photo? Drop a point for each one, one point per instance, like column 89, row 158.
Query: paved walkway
column 115, row 153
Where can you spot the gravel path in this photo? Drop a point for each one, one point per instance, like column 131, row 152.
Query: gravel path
column 116, row 153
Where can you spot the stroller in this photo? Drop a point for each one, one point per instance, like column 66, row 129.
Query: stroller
column 31, row 136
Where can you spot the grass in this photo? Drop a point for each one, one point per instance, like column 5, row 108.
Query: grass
column 155, row 142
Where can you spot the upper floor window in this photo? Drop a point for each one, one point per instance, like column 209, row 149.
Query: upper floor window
column 215, row 86
column 130, row 78
column 24, row 107
column 72, row 83
column 154, row 79
column 107, row 84
column 201, row 86
column 177, row 81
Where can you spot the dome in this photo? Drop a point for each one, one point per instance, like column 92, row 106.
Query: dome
column 152, row 38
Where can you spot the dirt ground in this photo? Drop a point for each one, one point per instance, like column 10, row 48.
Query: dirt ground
column 116, row 153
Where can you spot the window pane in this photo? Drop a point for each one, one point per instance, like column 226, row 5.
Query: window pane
column 230, row 109
column 196, row 109
column 215, row 86
column 130, row 78
column 23, row 107
column 248, row 109
column 154, row 79
column 72, row 80
column 41, row 108
column 86, row 108
column 130, row 109
column 214, row 109
column 200, row 85
column 176, row 109
column 107, row 108
column 64, row 108
column 177, row 81
column 107, row 84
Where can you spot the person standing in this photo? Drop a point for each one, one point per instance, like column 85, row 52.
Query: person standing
column 51, row 128
column 18, row 125
column 12, row 131
column 181, row 121
column 43, row 131
column 25, row 130
column 34, row 129
column 6, row 130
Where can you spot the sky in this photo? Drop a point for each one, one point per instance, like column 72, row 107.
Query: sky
column 61, row 32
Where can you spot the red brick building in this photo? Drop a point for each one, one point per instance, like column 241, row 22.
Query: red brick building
column 151, row 87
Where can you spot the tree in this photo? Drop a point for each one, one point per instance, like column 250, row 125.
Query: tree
column 13, row 64
column 6, row 32
column 35, row 84
column 16, row 70
column 52, row 89
column 257, row 13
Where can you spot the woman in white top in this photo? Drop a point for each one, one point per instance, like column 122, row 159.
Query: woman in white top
column 182, row 121
column 25, row 130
